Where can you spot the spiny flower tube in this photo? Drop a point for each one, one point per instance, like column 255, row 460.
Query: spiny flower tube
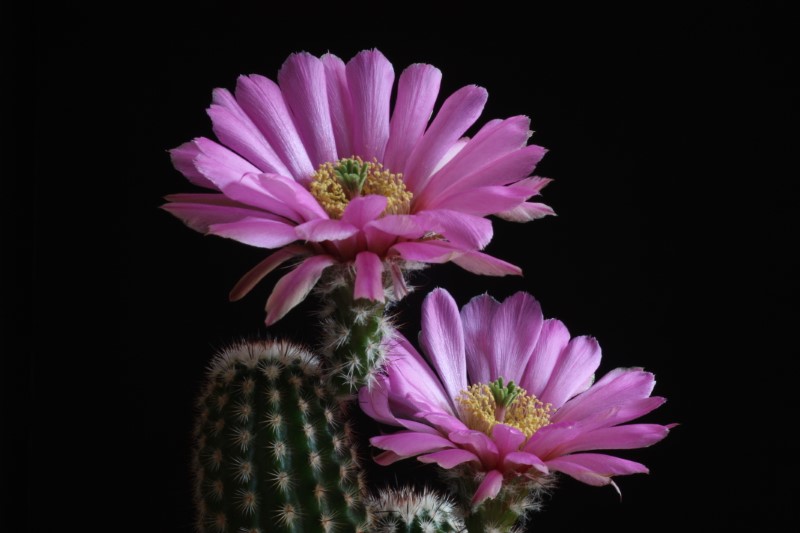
column 509, row 397
column 324, row 169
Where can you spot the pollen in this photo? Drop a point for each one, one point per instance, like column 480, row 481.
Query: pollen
column 480, row 410
column 334, row 185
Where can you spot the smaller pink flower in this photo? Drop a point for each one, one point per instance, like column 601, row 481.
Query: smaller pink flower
column 508, row 395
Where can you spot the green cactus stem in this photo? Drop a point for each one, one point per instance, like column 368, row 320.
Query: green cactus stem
column 409, row 510
column 273, row 453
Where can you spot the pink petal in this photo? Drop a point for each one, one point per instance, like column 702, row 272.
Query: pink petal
column 256, row 232
column 442, row 338
column 620, row 386
column 594, row 468
column 507, row 439
column 489, row 487
column 258, row 272
column 364, row 209
column 408, row 226
column 514, row 332
column 292, row 288
column 293, row 194
column 479, row 444
column 487, row 146
column 482, row 201
column 457, row 114
column 448, row 156
column 520, row 461
column 200, row 216
column 339, row 103
column 526, row 212
column 183, row 159
column 616, row 438
column 369, row 282
column 462, row 229
column 414, row 385
column 263, row 102
column 303, row 84
column 325, row 230
column 576, row 364
column 425, row 252
column 553, row 338
column 370, row 77
column 374, row 401
column 476, row 316
column 235, row 129
column 444, row 422
column 416, row 94
column 410, row 443
column 449, row 458
column 485, row 265
column 387, row 458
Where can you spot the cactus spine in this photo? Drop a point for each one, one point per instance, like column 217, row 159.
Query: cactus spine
column 272, row 452
column 407, row 510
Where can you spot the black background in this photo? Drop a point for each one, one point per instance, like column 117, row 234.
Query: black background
column 672, row 146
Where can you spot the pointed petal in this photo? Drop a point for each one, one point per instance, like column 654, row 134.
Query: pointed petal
column 576, row 364
column 425, row 252
column 200, row 216
column 442, row 338
column 417, row 90
column 482, row 201
column 449, row 458
column 459, row 228
column 476, row 316
column 235, row 129
column 594, row 468
column 489, row 487
column 257, row 232
column 553, row 338
column 519, row 461
column 415, row 387
column 292, row 288
column 410, row 443
column 292, row 194
column 370, row 77
column 263, row 102
column 485, row 265
column 258, row 272
column 303, row 84
column 618, row 387
column 527, row 211
column 339, row 103
column 514, row 332
column 457, row 114
column 616, row 438
column 183, row 160
column 369, row 282
column 387, row 458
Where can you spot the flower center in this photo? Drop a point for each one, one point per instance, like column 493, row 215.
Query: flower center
column 484, row 405
column 335, row 184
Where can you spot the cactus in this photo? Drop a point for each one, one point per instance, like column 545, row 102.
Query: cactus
column 272, row 452
column 410, row 511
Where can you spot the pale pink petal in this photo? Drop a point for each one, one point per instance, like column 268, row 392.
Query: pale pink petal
column 618, row 387
column 370, row 77
column 200, row 216
column 364, row 209
column 553, row 338
column 263, row 102
column 507, row 439
column 303, row 84
column 482, row 201
column 256, row 232
column 258, row 272
column 459, row 228
column 369, row 271
column 183, row 159
column 450, row 154
column 236, row 131
column 594, row 468
column 485, row 265
column 577, row 362
column 410, row 443
column 416, row 94
column 399, row 287
column 292, row 288
column 479, row 444
column 457, row 114
column 320, row 230
column 514, row 332
column 291, row 193
column 615, row 438
column 374, row 401
column 442, row 338
column 526, row 212
column 425, row 252
column 487, row 146
column 476, row 316
column 520, row 461
column 489, row 487
column 449, row 458
column 339, row 103
column 413, row 383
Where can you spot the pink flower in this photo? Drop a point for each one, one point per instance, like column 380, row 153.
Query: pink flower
column 317, row 167
column 510, row 396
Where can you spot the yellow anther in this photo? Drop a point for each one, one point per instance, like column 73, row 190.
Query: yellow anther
column 479, row 410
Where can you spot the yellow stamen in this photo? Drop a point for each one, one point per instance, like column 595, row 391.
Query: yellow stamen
column 479, row 410
column 334, row 195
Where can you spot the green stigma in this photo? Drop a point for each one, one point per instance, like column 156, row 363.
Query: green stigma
column 504, row 394
column 352, row 174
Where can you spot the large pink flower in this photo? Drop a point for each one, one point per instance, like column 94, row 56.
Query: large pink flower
column 319, row 167
column 509, row 395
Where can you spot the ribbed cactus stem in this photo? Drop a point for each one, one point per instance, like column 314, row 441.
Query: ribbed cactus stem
column 273, row 452
column 409, row 510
